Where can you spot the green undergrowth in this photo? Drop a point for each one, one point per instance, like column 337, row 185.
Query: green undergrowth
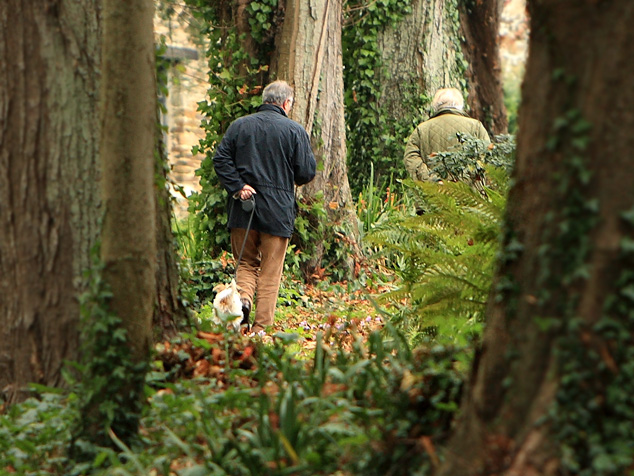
column 444, row 259
column 442, row 244
column 377, row 409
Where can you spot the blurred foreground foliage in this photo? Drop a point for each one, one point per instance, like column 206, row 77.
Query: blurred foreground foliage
column 222, row 404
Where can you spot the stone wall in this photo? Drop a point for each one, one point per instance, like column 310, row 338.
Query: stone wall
column 187, row 86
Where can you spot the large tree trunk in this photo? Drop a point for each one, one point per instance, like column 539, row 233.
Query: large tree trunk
column 435, row 45
column 420, row 55
column 128, row 95
column 480, row 27
column 308, row 56
column 170, row 314
column 438, row 46
column 49, row 201
column 555, row 368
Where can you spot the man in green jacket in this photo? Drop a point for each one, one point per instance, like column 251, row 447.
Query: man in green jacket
column 438, row 133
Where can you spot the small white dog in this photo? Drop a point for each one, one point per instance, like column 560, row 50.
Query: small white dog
column 228, row 306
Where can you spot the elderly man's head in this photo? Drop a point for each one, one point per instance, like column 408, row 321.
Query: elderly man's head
column 277, row 93
column 449, row 97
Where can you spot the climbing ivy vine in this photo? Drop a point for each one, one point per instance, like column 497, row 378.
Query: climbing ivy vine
column 373, row 136
column 235, row 78
column 262, row 17
column 595, row 396
column 376, row 136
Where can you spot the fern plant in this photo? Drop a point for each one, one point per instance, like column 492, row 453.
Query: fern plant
column 445, row 256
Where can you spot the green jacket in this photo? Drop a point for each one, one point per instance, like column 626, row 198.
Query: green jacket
column 438, row 134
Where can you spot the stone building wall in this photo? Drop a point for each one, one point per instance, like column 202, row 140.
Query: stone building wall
column 187, row 86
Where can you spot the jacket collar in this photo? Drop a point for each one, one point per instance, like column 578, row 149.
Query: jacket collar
column 272, row 107
column 449, row 110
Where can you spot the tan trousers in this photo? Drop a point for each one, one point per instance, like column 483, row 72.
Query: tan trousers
column 259, row 270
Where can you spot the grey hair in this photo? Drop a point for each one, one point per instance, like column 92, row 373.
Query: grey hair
column 449, row 97
column 277, row 92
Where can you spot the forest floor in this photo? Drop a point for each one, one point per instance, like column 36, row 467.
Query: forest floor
column 341, row 317
column 226, row 362
column 333, row 308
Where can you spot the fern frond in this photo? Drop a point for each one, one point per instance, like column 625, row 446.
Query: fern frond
column 444, row 257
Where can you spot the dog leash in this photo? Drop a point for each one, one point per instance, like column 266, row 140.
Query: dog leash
column 247, row 205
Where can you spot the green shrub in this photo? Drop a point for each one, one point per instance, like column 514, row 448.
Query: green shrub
column 35, row 435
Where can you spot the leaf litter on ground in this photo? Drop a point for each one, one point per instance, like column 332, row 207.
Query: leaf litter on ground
column 338, row 315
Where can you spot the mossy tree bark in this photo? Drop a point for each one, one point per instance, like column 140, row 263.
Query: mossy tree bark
column 434, row 44
column 555, row 366
column 49, row 138
column 421, row 54
column 128, row 96
column 170, row 314
column 308, row 55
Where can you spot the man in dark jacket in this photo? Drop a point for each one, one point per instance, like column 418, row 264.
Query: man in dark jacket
column 261, row 157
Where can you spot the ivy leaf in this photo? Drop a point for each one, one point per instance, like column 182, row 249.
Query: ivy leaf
column 628, row 292
column 225, row 74
column 628, row 216
column 627, row 245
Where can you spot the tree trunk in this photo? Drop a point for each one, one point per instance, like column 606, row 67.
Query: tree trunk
column 480, row 28
column 438, row 46
column 420, row 56
column 169, row 313
column 308, row 56
column 420, row 51
column 49, row 58
column 128, row 96
column 555, row 371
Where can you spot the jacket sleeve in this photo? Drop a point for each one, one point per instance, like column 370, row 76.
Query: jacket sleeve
column 414, row 163
column 305, row 165
column 482, row 134
column 224, row 163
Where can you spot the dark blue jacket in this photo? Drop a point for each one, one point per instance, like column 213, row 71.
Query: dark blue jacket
column 272, row 153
